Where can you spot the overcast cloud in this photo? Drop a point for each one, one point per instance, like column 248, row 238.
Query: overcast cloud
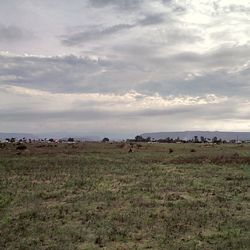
column 124, row 67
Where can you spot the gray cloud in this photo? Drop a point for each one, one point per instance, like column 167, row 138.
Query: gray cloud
column 152, row 19
column 238, row 8
column 219, row 82
column 14, row 33
column 49, row 73
column 219, row 72
column 96, row 33
column 119, row 47
column 121, row 4
column 81, row 37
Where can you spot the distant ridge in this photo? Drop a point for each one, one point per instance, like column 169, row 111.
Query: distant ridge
column 65, row 136
column 16, row 135
column 188, row 135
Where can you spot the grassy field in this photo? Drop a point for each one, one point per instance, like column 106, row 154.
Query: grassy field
column 99, row 196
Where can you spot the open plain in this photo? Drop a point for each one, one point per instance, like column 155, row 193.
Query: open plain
column 100, row 196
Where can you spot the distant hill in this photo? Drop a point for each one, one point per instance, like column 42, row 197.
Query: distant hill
column 188, row 135
column 3, row 136
column 65, row 136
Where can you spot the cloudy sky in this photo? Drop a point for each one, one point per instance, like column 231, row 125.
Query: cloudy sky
column 123, row 67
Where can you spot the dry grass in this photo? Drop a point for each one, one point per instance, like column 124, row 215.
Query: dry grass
column 99, row 196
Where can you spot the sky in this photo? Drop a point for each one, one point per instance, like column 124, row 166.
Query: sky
column 124, row 67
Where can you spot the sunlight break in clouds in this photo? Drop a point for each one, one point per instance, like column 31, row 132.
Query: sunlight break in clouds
column 131, row 101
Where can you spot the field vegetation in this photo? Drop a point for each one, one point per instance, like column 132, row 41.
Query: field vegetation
column 121, row 196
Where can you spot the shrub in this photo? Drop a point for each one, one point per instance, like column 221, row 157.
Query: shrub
column 21, row 147
column 170, row 150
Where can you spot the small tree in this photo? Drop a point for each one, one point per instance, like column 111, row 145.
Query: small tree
column 106, row 139
column 70, row 139
column 139, row 138
column 12, row 140
column 203, row 139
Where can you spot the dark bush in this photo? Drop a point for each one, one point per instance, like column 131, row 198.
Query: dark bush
column 170, row 150
column 21, row 147
column 192, row 150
